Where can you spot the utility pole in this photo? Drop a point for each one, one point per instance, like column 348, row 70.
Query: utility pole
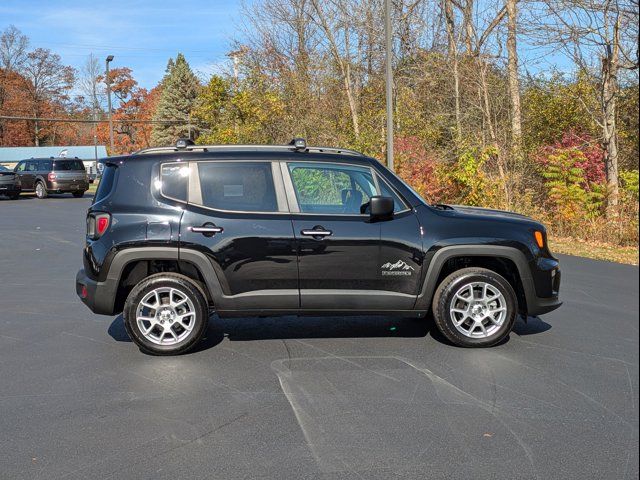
column 389, row 81
column 109, row 59
column 235, row 56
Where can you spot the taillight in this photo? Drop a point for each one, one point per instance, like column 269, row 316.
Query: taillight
column 97, row 224
column 51, row 176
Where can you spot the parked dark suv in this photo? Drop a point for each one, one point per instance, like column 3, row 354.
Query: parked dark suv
column 53, row 175
column 9, row 183
column 179, row 232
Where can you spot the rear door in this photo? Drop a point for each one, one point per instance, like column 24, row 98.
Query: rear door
column 345, row 261
column 237, row 215
column 70, row 173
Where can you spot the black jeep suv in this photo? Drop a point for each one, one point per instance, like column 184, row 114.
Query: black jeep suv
column 175, row 233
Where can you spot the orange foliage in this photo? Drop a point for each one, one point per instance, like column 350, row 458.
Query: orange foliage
column 13, row 133
column 418, row 168
column 130, row 136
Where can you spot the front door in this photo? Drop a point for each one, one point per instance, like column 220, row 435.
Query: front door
column 238, row 217
column 26, row 169
column 340, row 250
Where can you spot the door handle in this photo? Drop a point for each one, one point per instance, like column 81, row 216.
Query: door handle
column 208, row 229
column 317, row 232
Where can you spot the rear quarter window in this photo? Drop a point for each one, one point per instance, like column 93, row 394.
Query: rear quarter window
column 45, row 165
column 107, row 182
column 174, row 179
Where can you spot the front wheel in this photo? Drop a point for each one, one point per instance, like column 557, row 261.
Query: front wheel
column 475, row 307
column 166, row 314
column 78, row 194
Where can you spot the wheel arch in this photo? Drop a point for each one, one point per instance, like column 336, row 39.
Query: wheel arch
column 130, row 266
column 501, row 259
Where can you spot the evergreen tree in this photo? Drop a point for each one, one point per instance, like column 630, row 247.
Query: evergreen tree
column 180, row 88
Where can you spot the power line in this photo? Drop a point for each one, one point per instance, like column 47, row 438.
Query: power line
column 84, row 120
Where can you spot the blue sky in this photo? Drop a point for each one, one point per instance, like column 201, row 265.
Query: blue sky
column 141, row 34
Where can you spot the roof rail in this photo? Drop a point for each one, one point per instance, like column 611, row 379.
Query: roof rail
column 295, row 147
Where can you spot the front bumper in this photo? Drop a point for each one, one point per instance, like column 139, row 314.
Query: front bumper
column 540, row 306
column 98, row 296
column 551, row 284
column 9, row 187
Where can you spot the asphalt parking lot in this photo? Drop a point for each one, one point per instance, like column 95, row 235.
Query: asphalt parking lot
column 326, row 398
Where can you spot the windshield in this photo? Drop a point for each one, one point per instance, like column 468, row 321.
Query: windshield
column 4, row 169
column 60, row 165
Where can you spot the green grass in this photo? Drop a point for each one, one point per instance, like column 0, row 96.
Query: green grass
column 595, row 250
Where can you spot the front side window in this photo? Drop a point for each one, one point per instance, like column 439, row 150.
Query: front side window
column 332, row 188
column 386, row 191
column 237, row 186
column 32, row 166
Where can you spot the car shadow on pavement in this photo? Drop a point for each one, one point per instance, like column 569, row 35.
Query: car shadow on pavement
column 532, row 326
column 292, row 327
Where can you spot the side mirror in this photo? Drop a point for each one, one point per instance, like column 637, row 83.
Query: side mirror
column 381, row 208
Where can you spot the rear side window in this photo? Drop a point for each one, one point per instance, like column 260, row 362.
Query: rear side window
column 106, row 184
column 238, row 186
column 65, row 165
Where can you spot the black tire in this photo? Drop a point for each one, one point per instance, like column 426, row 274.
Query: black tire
column 444, row 296
column 42, row 192
column 14, row 195
column 185, row 286
column 78, row 194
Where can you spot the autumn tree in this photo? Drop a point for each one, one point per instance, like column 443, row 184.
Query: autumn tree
column 13, row 52
column 49, row 83
column 602, row 39
column 132, row 116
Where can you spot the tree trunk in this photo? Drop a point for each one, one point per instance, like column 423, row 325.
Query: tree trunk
column 37, row 132
column 345, row 67
column 514, row 81
column 492, row 132
column 453, row 55
column 610, row 135
column 469, row 30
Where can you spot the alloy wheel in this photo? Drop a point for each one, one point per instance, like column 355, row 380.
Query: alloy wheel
column 166, row 316
column 478, row 310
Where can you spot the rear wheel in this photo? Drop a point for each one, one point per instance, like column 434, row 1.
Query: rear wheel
column 475, row 307
column 41, row 190
column 166, row 314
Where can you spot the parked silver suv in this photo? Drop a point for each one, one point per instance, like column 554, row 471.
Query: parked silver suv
column 53, row 175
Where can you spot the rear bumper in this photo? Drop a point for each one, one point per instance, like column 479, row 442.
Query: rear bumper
column 98, row 296
column 79, row 186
